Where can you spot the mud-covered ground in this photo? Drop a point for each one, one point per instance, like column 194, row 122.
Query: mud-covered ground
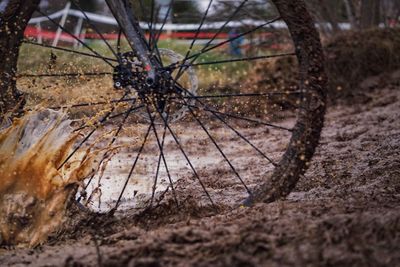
column 345, row 210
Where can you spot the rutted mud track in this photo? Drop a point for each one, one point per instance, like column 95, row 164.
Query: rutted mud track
column 345, row 211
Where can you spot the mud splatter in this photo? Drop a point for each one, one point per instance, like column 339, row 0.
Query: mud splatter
column 33, row 189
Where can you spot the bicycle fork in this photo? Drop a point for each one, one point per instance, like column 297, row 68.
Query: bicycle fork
column 127, row 20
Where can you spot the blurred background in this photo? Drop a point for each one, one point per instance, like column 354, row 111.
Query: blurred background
column 360, row 37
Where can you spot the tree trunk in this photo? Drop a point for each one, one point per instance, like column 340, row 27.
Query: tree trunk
column 350, row 14
column 397, row 7
column 14, row 16
column 329, row 16
column 370, row 14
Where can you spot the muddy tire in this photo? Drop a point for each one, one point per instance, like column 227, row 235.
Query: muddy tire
column 14, row 17
column 306, row 133
column 313, row 82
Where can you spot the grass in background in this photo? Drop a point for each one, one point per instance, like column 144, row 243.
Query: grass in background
column 56, row 91
column 38, row 60
column 217, row 75
column 60, row 91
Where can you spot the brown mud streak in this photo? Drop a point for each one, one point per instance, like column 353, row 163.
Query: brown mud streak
column 34, row 194
column 309, row 125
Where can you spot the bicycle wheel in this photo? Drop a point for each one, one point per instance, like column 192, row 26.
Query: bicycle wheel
column 203, row 124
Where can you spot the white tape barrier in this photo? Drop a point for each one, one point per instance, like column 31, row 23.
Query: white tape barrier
column 168, row 26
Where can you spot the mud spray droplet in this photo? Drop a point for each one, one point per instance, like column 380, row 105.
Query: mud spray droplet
column 33, row 193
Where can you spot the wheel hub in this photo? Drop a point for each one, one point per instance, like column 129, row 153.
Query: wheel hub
column 131, row 75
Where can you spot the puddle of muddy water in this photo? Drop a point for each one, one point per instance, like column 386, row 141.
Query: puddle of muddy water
column 203, row 155
column 140, row 186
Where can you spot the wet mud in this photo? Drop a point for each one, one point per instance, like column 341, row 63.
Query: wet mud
column 343, row 212
column 36, row 181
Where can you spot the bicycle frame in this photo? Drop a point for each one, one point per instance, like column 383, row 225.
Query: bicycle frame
column 125, row 16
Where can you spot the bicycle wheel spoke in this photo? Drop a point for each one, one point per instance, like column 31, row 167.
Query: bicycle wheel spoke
column 41, row 75
column 88, row 136
column 241, row 95
column 95, row 28
column 196, row 55
column 203, row 50
column 151, row 37
column 224, row 25
column 111, row 117
column 151, row 23
column 220, row 151
column 88, row 104
column 163, row 23
column 198, row 29
column 244, row 139
column 236, row 60
column 115, row 136
column 77, row 148
column 154, row 44
column 154, row 187
column 235, row 38
column 76, row 38
column 132, row 169
column 160, row 146
column 158, row 163
column 181, row 69
column 69, row 51
column 215, row 114
column 237, row 117
column 129, row 111
column 119, row 41
column 187, row 160
column 143, row 9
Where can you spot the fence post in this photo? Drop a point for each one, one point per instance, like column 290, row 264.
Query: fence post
column 83, row 37
column 62, row 23
column 39, row 29
column 77, row 31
